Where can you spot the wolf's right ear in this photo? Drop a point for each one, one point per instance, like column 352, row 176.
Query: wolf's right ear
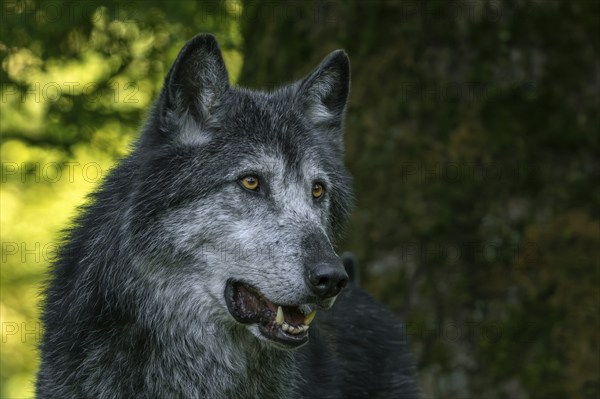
column 197, row 79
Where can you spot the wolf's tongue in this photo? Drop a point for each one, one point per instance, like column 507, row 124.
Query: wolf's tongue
column 249, row 306
column 293, row 315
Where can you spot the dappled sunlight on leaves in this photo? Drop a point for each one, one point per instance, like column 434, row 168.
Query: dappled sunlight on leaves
column 78, row 83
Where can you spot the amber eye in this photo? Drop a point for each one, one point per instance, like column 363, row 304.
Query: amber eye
column 250, row 182
column 317, row 190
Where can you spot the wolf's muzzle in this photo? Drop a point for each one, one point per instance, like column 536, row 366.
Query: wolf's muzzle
column 323, row 270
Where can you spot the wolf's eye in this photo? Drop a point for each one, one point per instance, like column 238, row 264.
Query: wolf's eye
column 250, row 182
column 317, row 190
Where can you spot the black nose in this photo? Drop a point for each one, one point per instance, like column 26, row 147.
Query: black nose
column 327, row 279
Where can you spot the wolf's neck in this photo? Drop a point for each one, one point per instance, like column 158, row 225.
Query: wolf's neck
column 227, row 365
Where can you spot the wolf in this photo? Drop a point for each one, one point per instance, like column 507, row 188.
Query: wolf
column 204, row 265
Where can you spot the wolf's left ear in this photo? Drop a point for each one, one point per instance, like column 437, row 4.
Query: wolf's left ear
column 197, row 79
column 323, row 94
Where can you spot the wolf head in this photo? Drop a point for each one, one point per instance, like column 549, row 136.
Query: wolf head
column 241, row 194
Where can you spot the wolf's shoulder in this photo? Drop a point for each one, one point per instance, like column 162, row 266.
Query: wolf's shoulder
column 358, row 349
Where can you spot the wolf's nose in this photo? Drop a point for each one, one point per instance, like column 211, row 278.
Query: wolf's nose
column 327, row 279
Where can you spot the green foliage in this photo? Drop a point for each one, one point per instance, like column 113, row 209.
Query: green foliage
column 77, row 78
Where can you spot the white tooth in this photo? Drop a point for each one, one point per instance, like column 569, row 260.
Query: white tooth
column 279, row 318
column 304, row 328
column 309, row 317
column 285, row 327
column 295, row 331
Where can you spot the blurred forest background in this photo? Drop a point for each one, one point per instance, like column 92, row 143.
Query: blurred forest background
column 472, row 133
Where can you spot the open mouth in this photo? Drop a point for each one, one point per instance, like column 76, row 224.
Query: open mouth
column 286, row 325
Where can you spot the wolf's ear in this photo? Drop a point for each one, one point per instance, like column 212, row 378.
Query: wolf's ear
column 324, row 93
column 197, row 79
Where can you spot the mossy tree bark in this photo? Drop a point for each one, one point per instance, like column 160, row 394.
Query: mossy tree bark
column 470, row 133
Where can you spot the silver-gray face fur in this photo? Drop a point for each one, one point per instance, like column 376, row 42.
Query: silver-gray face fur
column 136, row 307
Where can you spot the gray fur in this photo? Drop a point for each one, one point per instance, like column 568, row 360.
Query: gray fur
column 135, row 305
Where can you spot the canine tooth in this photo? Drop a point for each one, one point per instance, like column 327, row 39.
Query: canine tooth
column 304, row 328
column 309, row 317
column 285, row 327
column 279, row 318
